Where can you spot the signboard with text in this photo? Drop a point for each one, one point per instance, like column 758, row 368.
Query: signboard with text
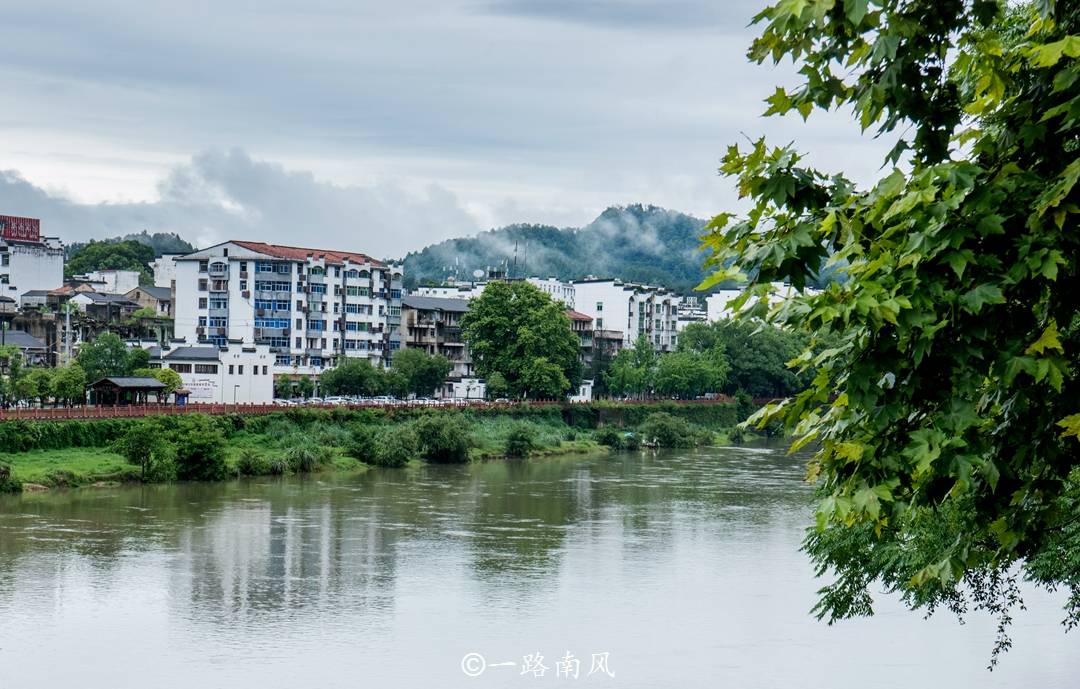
column 19, row 229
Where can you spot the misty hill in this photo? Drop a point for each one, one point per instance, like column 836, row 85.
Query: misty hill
column 160, row 242
column 635, row 243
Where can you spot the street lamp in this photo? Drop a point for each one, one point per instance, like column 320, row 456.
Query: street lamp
column 235, row 388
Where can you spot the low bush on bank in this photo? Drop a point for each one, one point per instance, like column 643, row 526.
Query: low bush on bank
column 664, row 430
column 395, row 447
column 442, row 438
column 520, row 442
column 8, row 484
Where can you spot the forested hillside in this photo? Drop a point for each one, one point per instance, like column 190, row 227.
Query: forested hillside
column 635, row 243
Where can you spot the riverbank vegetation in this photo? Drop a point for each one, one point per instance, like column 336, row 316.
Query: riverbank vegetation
column 195, row 447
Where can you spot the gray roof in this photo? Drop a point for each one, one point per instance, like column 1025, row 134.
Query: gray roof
column 126, row 382
column 104, row 298
column 159, row 293
column 434, row 303
column 22, row 340
column 208, row 353
column 35, row 293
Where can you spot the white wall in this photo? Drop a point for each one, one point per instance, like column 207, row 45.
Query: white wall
column 164, row 268
column 116, row 281
column 32, row 266
column 227, row 387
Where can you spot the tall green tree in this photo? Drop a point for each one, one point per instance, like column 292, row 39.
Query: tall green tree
column 632, row 371
column 110, row 255
column 105, row 356
column 947, row 412
column 423, row 372
column 69, row 384
column 351, row 377
column 516, row 330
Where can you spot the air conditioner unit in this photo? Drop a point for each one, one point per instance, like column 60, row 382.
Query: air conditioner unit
column 285, row 332
column 260, row 312
column 246, row 294
column 221, row 331
column 258, row 332
column 243, row 273
column 200, row 331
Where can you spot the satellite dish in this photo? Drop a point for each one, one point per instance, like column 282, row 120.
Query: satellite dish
column 478, row 273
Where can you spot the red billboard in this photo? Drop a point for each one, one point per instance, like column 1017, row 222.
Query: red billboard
column 20, row 229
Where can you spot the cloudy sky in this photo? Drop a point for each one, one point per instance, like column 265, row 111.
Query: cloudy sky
column 379, row 126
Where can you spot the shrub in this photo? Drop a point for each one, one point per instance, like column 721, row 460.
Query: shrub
column 520, row 442
column 631, row 441
column 395, row 447
column 251, row 462
column 8, row 484
column 145, row 446
column 306, row 457
column 278, row 466
column 607, row 435
column 443, row 438
column 362, row 443
column 200, row 450
column 669, row 431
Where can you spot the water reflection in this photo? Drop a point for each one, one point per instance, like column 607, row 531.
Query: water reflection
column 684, row 564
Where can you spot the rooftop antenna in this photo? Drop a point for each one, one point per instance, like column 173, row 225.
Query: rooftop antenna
column 510, row 273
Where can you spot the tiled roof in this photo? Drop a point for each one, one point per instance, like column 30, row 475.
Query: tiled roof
column 21, row 340
column 210, row 353
column 296, row 253
column 577, row 315
column 134, row 383
column 159, row 293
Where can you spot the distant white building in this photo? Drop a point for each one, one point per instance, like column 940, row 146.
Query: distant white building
column 28, row 261
column 691, row 310
column 112, row 281
column 632, row 309
column 559, row 290
column 717, row 304
column 164, row 268
column 233, row 374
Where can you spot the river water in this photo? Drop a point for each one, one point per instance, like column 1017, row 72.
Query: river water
column 675, row 569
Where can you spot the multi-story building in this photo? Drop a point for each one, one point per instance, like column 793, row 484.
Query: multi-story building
column 559, row 290
column 28, row 261
column 434, row 325
column 153, row 297
column 717, row 304
column 164, row 268
column 631, row 309
column 110, row 281
column 691, row 310
column 310, row 306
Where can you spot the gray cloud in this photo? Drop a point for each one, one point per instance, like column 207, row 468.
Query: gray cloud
column 637, row 14
column 226, row 194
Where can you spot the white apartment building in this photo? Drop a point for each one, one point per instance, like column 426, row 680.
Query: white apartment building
column 464, row 290
column 235, row 374
column 28, row 261
column 559, row 290
column 691, row 310
column 632, row 309
column 310, row 306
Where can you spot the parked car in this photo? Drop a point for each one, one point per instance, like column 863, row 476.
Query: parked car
column 336, row 399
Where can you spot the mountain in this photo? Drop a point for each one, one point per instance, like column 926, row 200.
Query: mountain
column 636, row 243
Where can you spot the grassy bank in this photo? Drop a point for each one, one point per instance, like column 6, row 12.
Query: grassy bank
column 77, row 453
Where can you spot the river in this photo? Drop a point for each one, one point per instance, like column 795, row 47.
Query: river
column 674, row 569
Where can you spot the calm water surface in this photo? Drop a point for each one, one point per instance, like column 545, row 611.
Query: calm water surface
column 683, row 567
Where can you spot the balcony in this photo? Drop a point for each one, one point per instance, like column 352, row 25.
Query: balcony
column 313, row 351
column 219, row 313
column 220, row 270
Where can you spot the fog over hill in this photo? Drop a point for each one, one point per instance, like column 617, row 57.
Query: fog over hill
column 636, row 243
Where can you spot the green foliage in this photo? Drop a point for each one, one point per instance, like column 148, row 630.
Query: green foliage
column 688, row 373
column 69, row 384
column 516, row 330
column 107, row 356
column 520, row 442
column 8, row 483
column 939, row 407
column 362, row 443
column 667, row 430
column 422, row 373
column 633, row 369
column 252, row 462
column 307, row 456
column 200, row 450
column 395, row 447
column 496, row 386
column 353, row 377
column 757, row 355
column 283, row 387
column 144, row 445
column 304, row 387
column 609, row 436
column 443, row 438
column 109, row 255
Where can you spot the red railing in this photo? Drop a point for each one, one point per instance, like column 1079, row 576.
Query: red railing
column 138, row 410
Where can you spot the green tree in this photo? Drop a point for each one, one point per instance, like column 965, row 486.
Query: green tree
column 423, row 372
column 38, row 384
column 689, row 374
column 283, row 387
column 200, row 450
column 496, row 387
column 144, row 445
column 305, row 387
column 69, row 384
column 947, row 411
column 106, row 356
column 515, row 329
column 170, row 378
column 632, row 371
column 110, row 255
column 351, row 377
column 12, row 369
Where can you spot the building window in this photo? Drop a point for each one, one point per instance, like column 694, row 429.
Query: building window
column 218, row 322
column 395, row 294
column 203, row 266
column 316, row 361
column 205, row 368
column 243, row 285
column 316, row 325
column 283, row 360
column 272, row 323
column 299, row 343
column 202, row 285
column 230, row 369
column 254, row 370
column 599, row 306
column 202, row 302
column 219, row 303
column 264, row 369
column 599, row 323
column 240, row 370
column 202, row 321
column 181, row 368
